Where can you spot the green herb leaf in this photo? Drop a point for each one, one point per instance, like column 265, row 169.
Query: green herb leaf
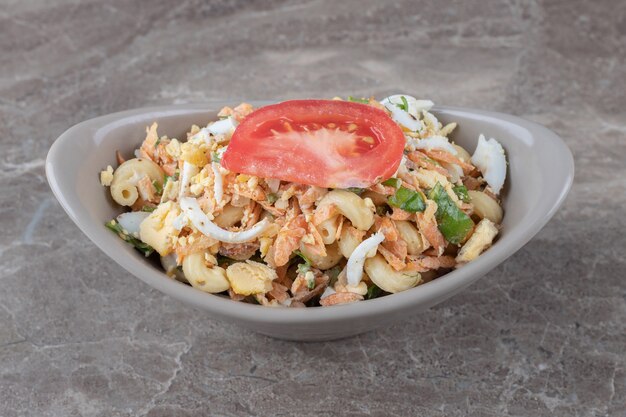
column 158, row 187
column 310, row 284
column 333, row 274
column 461, row 192
column 138, row 244
column 405, row 104
column 453, row 223
column 358, row 100
column 407, row 200
column 157, row 142
column 148, row 209
column 393, row 182
column 170, row 178
column 271, row 198
column 355, row 190
column 306, row 266
column 215, row 157
column 373, row 291
column 225, row 261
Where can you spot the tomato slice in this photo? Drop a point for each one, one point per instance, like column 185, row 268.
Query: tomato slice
column 328, row 143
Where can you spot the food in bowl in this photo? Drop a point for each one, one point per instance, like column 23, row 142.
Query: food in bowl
column 310, row 202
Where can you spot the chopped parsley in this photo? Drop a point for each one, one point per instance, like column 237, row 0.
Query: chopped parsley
column 170, row 178
column 215, row 157
column 310, row 283
column 393, row 182
column 355, row 190
column 461, row 192
column 373, row 291
column 158, row 187
column 453, row 223
column 407, row 200
column 157, row 142
column 138, row 244
column 405, row 104
column 306, row 266
column 333, row 274
column 271, row 198
column 358, row 100
column 148, row 209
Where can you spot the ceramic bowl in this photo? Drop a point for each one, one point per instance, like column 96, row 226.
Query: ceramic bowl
column 539, row 177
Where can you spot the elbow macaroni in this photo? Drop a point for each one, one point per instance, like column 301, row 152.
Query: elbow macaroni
column 158, row 231
column 328, row 229
column 248, row 278
column 211, row 279
column 353, row 207
column 332, row 258
column 348, row 241
column 124, row 183
column 230, row 216
column 485, row 207
column 413, row 238
column 387, row 278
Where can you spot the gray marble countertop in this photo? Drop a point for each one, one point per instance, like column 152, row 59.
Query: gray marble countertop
column 544, row 334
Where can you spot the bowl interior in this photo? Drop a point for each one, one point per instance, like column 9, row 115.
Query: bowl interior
column 539, row 176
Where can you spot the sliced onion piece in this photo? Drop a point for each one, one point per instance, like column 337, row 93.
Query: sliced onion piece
column 200, row 220
column 489, row 157
column 354, row 271
column 130, row 221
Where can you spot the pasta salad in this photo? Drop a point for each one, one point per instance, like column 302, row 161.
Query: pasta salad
column 310, row 202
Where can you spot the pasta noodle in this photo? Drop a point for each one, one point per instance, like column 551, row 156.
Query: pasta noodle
column 210, row 279
column 388, row 278
column 127, row 175
column 352, row 206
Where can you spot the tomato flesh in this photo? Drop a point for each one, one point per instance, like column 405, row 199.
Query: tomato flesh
column 327, row 143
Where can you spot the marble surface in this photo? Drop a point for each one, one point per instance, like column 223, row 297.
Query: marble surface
column 544, row 334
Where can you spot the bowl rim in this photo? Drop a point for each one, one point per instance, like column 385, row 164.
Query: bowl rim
column 426, row 294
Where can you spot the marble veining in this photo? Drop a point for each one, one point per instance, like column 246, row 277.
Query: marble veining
column 542, row 335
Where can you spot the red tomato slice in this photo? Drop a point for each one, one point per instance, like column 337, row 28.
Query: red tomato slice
column 328, row 143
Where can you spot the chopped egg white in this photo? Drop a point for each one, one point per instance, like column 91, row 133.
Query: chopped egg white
column 106, row 176
column 189, row 170
column 408, row 119
column 130, row 221
column 222, row 127
column 218, row 186
column 354, row 271
column 200, row 221
column 218, row 131
column 433, row 142
column 415, row 106
column 489, row 158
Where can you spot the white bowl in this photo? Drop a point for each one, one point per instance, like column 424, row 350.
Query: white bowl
column 541, row 171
